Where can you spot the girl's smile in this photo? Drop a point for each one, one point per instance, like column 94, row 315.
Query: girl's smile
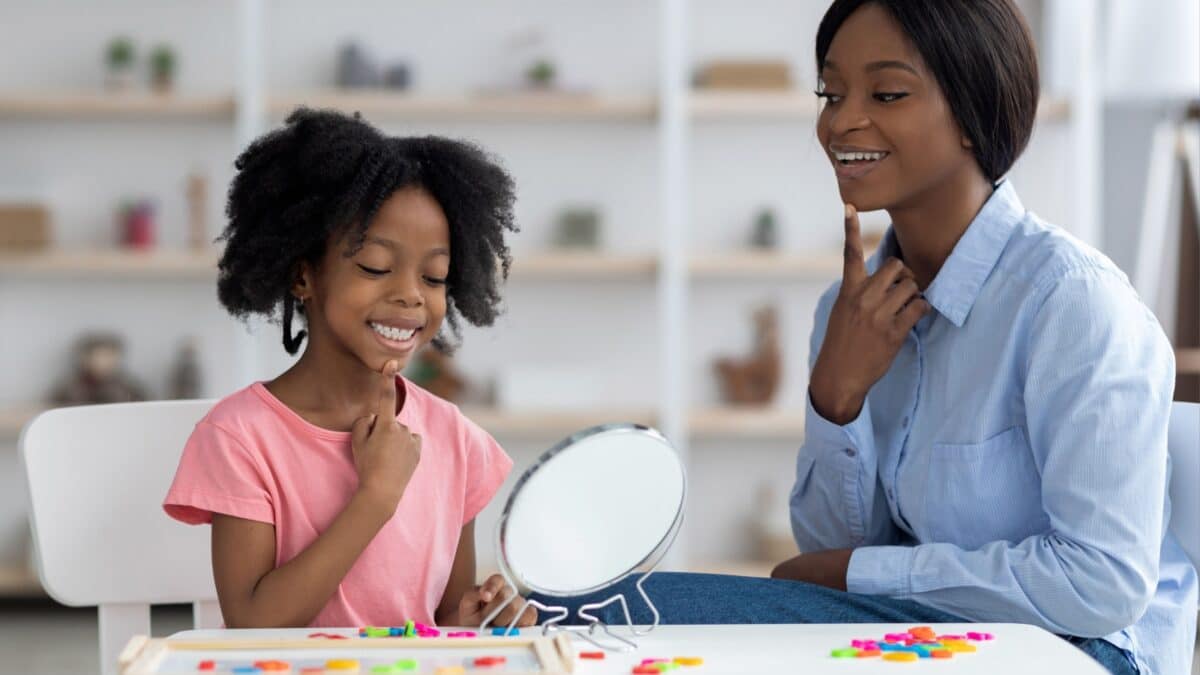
column 398, row 336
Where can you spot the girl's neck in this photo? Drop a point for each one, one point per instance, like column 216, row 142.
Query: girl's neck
column 330, row 389
column 930, row 225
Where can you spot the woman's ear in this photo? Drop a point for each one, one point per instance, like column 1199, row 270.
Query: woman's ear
column 966, row 143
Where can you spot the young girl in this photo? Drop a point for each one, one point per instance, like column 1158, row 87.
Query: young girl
column 988, row 400
column 340, row 494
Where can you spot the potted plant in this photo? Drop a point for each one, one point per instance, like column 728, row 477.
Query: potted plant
column 162, row 68
column 541, row 74
column 119, row 59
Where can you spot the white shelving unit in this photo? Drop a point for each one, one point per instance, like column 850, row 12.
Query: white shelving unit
column 675, row 274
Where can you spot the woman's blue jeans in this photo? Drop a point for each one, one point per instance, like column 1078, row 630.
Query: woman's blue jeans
column 687, row 598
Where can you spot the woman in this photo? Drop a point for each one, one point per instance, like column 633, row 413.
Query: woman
column 988, row 401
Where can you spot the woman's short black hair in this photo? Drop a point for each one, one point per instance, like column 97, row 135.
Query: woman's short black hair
column 323, row 175
column 984, row 59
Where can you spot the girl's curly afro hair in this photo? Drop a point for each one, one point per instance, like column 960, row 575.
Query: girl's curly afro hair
column 323, row 176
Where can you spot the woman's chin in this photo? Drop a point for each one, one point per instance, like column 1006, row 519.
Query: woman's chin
column 863, row 200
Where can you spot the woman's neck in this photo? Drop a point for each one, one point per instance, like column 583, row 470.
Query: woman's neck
column 929, row 226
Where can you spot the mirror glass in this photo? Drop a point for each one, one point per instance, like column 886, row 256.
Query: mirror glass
column 598, row 506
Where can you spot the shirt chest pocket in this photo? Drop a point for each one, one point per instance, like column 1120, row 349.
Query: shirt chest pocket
column 982, row 492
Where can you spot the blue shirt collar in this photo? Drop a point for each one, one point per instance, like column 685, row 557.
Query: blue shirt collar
column 957, row 285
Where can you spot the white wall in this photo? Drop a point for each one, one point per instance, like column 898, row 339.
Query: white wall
column 85, row 168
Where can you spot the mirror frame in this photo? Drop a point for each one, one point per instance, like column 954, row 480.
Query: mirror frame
column 648, row 563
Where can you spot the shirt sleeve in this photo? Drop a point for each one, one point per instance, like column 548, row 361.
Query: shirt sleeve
column 1098, row 385
column 487, row 467
column 217, row 474
column 837, row 501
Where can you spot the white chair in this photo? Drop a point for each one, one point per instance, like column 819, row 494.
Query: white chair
column 97, row 477
column 1183, row 445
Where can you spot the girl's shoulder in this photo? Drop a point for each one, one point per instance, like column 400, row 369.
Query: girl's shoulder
column 423, row 407
column 435, row 417
column 242, row 414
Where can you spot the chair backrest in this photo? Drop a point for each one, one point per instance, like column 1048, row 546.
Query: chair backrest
column 97, row 476
column 1183, row 445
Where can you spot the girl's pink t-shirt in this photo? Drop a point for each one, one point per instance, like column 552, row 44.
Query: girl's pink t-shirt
column 253, row 457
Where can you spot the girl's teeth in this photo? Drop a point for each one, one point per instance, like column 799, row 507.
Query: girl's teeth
column 393, row 333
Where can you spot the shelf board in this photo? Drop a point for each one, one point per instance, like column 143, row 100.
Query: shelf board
column 753, row 265
column 116, row 105
column 720, row 422
column 13, row 419
column 747, row 423
column 1187, row 361
column 583, row 266
column 715, row 105
column 793, row 104
column 499, row 107
column 115, row 264
column 545, row 424
column 20, row 582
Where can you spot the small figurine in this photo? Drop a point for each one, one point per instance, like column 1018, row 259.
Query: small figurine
column 185, row 376
column 397, row 76
column 197, row 201
column 99, row 376
column 356, row 68
column 433, row 371
column 138, row 225
column 754, row 379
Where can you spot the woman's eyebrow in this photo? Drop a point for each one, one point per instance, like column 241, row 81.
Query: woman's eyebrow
column 876, row 65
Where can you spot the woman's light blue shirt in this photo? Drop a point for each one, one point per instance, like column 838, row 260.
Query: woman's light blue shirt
column 1011, row 466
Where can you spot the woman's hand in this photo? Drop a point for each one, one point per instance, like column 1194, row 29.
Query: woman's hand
column 867, row 326
column 824, row 568
column 386, row 453
column 481, row 601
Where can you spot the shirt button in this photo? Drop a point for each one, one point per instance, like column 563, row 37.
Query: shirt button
column 850, row 452
column 891, row 495
column 904, row 422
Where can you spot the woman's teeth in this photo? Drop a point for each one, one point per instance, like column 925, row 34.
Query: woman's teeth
column 859, row 156
column 393, row 333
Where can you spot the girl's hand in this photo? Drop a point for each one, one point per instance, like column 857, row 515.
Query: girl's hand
column 867, row 326
column 386, row 453
column 481, row 601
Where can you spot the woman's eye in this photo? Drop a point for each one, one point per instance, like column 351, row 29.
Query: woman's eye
column 830, row 99
column 372, row 271
column 889, row 97
column 435, row 281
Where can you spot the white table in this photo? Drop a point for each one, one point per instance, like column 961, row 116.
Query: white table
column 797, row 648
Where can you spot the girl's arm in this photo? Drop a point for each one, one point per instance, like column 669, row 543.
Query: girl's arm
column 254, row 593
column 462, row 578
column 465, row 604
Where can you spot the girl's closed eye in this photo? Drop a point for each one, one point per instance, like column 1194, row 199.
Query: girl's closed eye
column 435, row 281
column 372, row 271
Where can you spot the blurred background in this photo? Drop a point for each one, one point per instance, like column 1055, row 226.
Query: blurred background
column 679, row 220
